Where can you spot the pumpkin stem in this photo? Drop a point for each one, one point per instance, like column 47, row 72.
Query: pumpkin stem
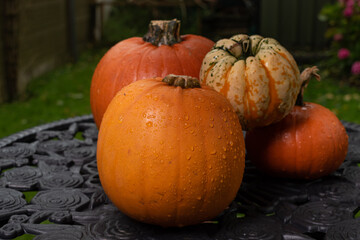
column 182, row 81
column 305, row 77
column 163, row 32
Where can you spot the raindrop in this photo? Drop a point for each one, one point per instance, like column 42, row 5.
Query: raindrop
column 211, row 125
column 149, row 124
column 188, row 157
column 213, row 152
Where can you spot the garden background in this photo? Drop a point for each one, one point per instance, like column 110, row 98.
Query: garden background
column 51, row 48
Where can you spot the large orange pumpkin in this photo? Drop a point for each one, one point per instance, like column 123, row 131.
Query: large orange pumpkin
column 259, row 77
column 160, row 52
column 310, row 142
column 170, row 152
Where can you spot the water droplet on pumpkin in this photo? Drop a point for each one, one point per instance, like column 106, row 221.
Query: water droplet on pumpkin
column 219, row 137
column 211, row 125
column 231, row 143
column 186, row 117
column 225, row 119
column 192, row 148
column 224, row 156
column 121, row 118
column 188, row 157
column 213, row 152
column 199, row 198
column 224, row 148
column 149, row 124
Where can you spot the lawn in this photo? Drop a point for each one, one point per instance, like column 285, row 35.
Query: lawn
column 59, row 94
column 64, row 93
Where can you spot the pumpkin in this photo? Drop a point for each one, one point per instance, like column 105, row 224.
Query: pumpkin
column 310, row 142
column 170, row 152
column 258, row 76
column 160, row 52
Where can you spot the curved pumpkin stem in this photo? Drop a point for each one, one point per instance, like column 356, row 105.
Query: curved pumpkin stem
column 182, row 81
column 163, row 32
column 305, row 77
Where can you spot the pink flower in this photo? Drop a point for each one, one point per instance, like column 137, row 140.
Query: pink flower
column 348, row 12
column 349, row 3
column 343, row 53
column 355, row 68
column 338, row 37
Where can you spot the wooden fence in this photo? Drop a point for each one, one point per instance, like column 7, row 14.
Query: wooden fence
column 36, row 36
column 294, row 23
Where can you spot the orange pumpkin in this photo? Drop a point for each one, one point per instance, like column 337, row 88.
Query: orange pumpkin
column 259, row 77
column 308, row 143
column 170, row 152
column 160, row 52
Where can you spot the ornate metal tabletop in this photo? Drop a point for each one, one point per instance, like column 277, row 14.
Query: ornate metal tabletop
column 50, row 189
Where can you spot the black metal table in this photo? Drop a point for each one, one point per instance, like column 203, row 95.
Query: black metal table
column 50, row 189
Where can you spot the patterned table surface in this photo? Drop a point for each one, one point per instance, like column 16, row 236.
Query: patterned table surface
column 50, row 189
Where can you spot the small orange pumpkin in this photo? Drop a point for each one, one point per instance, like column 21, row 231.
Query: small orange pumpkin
column 170, row 152
column 308, row 143
column 160, row 52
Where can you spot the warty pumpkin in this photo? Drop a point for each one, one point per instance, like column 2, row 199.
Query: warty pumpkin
column 258, row 76
column 310, row 142
column 170, row 152
column 160, row 52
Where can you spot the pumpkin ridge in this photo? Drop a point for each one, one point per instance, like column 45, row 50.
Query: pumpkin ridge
column 178, row 59
column 272, row 92
column 335, row 149
column 207, row 73
column 206, row 163
column 283, row 55
column 140, row 62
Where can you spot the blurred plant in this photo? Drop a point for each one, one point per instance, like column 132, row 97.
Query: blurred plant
column 343, row 19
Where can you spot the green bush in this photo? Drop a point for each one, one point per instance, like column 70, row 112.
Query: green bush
column 343, row 19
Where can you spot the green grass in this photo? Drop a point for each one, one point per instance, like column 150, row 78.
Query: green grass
column 340, row 98
column 64, row 93
column 59, row 94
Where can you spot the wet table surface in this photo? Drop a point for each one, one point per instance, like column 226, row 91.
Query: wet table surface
column 50, row 189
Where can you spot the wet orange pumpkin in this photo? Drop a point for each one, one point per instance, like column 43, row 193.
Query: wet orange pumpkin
column 159, row 53
column 170, row 152
column 310, row 142
column 259, row 77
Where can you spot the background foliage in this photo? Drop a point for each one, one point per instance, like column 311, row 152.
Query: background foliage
column 343, row 18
